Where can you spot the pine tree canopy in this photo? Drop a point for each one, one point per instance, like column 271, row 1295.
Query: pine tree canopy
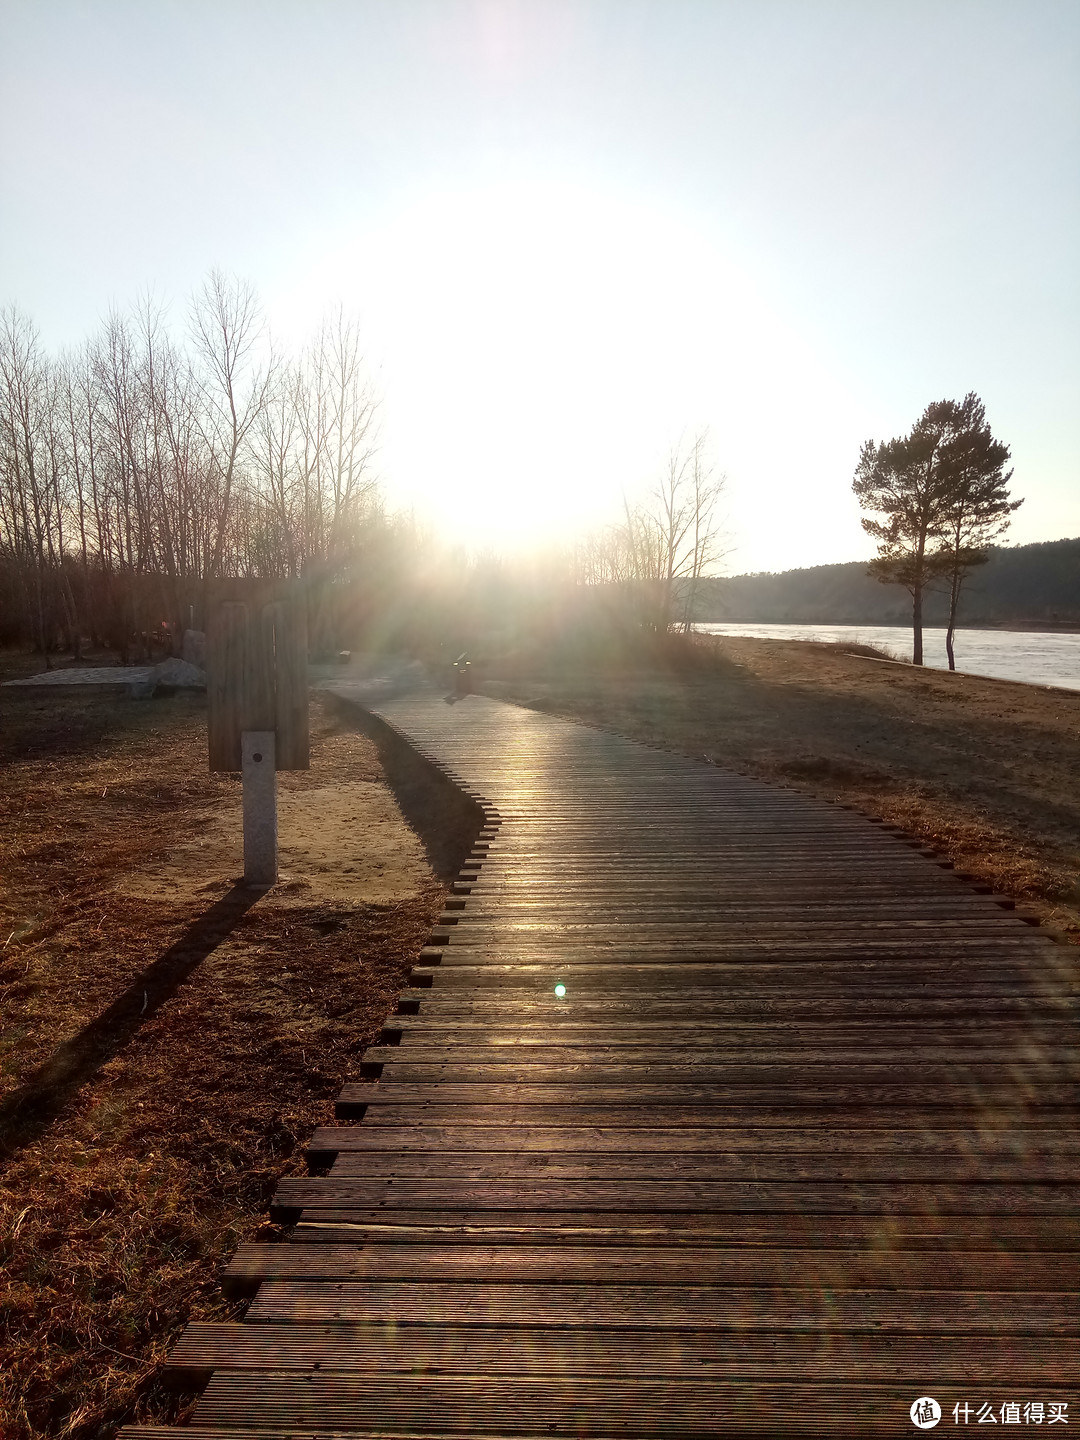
column 935, row 499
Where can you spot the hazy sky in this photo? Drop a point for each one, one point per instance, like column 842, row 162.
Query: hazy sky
column 575, row 231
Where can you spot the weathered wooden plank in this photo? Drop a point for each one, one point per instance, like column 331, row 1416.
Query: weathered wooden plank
column 755, row 979
column 375, row 1348
column 656, row 987
column 632, row 1105
column 1007, row 940
column 539, row 1405
column 578, row 1104
column 846, row 929
column 687, row 1227
column 571, row 1023
column 658, row 920
column 807, row 1197
column 824, row 1164
column 289, row 618
column 670, row 1307
column 432, row 1408
column 367, row 1141
column 945, row 1018
column 226, row 660
column 979, row 1088
column 1014, row 1064
column 538, row 939
column 660, row 1265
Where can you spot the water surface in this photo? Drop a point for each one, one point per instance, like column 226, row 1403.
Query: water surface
column 1037, row 657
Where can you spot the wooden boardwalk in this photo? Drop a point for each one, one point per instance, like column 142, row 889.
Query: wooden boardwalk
column 714, row 1110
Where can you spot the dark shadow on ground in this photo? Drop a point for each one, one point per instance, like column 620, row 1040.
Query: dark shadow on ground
column 33, row 726
column 29, row 1110
column 446, row 821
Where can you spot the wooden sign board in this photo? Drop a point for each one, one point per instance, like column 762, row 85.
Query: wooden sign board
column 256, row 679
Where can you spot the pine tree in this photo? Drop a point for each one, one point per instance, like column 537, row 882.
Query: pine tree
column 904, row 481
column 941, row 494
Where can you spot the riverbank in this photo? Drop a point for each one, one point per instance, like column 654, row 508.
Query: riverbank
column 1047, row 627
column 1034, row 657
column 984, row 770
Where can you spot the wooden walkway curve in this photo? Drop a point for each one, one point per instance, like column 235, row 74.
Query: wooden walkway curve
column 713, row 1110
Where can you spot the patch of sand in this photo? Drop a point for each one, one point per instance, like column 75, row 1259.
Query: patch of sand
column 342, row 844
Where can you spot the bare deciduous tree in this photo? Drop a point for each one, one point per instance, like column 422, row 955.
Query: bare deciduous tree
column 135, row 470
column 666, row 543
column 227, row 325
column 26, row 502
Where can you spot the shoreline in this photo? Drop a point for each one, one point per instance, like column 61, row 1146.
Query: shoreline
column 1044, row 659
column 1011, row 627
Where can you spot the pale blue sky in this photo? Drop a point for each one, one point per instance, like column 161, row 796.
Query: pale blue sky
column 573, row 231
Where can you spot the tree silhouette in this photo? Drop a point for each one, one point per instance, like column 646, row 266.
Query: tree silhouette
column 903, row 480
column 941, row 496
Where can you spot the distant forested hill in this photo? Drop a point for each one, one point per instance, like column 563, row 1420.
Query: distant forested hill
column 1032, row 585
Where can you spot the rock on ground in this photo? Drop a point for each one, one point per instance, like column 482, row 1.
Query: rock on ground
column 178, row 673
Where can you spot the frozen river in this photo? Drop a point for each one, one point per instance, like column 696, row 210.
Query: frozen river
column 1034, row 656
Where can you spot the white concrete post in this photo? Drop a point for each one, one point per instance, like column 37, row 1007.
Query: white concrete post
column 260, row 807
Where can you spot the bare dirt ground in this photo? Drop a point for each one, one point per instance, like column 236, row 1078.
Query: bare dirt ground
column 984, row 770
column 169, row 1041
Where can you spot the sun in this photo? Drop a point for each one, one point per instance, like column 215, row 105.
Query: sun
column 543, row 327
column 542, row 340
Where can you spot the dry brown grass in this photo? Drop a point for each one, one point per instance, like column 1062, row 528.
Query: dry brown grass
column 174, row 1124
